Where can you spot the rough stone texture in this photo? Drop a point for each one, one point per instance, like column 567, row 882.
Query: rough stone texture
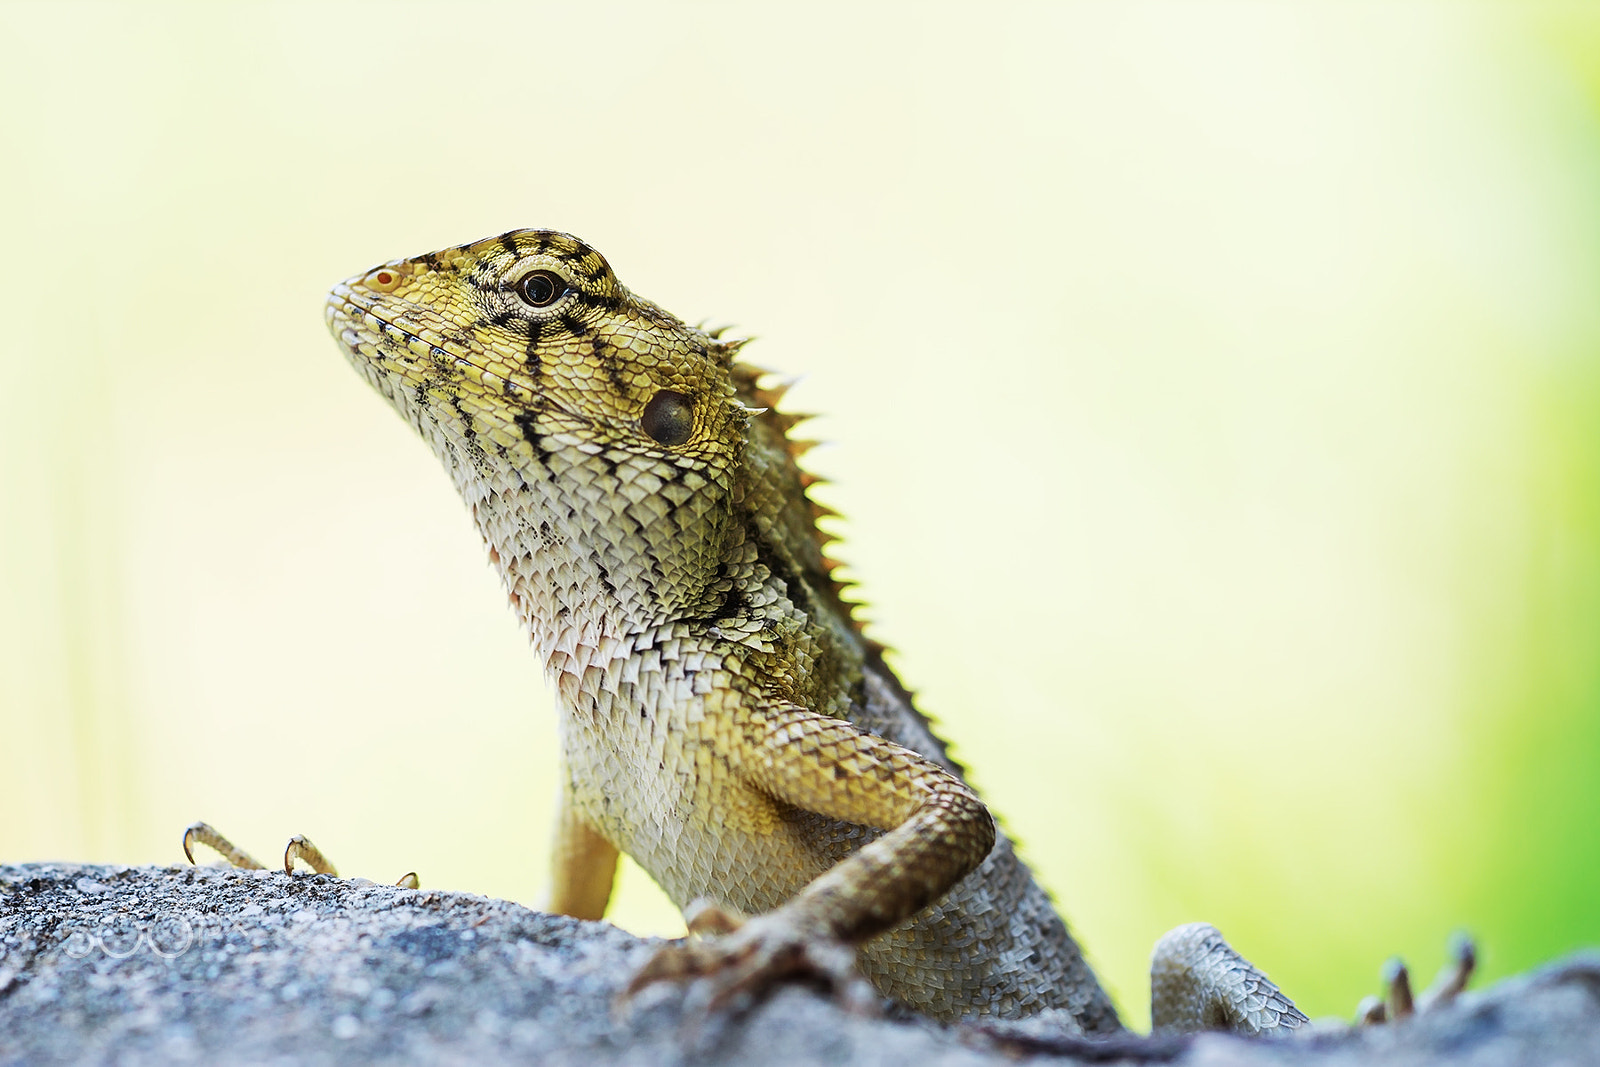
column 185, row 965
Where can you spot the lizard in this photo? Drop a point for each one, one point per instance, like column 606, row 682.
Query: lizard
column 724, row 719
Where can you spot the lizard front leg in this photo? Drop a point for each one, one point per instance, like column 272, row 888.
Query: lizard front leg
column 938, row 832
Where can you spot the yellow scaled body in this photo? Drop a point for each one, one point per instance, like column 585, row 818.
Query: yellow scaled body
column 723, row 720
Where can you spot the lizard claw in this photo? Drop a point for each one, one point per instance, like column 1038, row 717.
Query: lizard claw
column 748, row 957
column 301, row 848
column 1397, row 987
column 1455, row 975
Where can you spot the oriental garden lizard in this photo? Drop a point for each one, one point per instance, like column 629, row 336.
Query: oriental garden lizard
column 723, row 719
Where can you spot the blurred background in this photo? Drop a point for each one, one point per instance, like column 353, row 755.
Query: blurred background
column 1214, row 390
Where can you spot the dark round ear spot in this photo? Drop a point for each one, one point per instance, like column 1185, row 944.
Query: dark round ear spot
column 668, row 418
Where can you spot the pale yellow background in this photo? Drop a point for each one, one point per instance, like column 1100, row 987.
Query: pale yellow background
column 1215, row 390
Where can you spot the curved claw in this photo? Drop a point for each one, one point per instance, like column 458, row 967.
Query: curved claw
column 301, row 848
column 202, row 833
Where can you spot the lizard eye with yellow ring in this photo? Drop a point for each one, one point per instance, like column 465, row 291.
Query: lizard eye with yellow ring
column 541, row 288
column 668, row 418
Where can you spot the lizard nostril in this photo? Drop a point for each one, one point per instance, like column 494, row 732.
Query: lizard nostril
column 383, row 280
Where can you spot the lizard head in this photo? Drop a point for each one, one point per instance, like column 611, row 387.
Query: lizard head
column 596, row 437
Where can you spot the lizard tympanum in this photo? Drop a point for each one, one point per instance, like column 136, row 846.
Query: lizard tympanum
column 723, row 719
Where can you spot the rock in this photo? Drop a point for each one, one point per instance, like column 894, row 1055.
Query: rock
column 199, row 965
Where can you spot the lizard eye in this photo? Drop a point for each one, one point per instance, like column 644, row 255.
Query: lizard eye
column 668, row 418
column 541, row 288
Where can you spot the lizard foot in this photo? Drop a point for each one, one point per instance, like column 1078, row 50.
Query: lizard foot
column 737, row 959
column 300, row 848
column 1398, row 1002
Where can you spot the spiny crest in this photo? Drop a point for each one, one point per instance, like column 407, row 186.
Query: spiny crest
column 764, row 389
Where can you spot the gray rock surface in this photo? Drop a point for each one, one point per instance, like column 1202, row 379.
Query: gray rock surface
column 201, row 965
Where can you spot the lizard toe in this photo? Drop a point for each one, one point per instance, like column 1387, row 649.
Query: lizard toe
column 1398, row 1001
column 706, row 918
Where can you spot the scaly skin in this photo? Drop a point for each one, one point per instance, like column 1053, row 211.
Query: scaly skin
column 723, row 720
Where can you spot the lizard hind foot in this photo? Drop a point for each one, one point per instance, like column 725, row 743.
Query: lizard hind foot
column 1398, row 1002
column 733, row 961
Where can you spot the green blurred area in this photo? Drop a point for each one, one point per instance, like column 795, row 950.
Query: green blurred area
column 1216, row 390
